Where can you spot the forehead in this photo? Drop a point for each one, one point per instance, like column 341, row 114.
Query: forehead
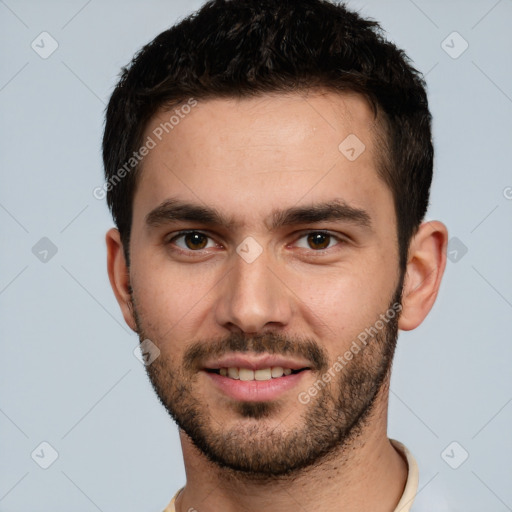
column 248, row 156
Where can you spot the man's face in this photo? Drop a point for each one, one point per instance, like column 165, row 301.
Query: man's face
column 289, row 253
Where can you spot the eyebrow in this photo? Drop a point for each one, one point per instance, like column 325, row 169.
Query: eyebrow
column 175, row 210
column 323, row 212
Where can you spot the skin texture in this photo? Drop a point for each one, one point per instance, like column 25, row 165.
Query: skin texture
column 247, row 159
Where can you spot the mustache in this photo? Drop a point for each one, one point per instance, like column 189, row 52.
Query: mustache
column 269, row 343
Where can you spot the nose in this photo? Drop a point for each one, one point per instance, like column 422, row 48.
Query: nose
column 252, row 297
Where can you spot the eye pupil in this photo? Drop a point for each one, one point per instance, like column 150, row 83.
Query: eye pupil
column 195, row 240
column 319, row 240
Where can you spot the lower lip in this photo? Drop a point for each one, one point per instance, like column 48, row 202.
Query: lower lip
column 256, row 390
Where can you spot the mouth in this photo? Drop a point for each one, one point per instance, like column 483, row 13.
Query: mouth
column 255, row 377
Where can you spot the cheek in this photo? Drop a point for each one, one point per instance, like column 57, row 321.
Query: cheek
column 341, row 304
column 171, row 299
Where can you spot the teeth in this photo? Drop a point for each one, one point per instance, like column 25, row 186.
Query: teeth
column 246, row 374
column 233, row 373
column 277, row 371
column 265, row 374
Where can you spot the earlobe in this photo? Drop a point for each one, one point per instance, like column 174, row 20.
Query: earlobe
column 425, row 267
column 119, row 276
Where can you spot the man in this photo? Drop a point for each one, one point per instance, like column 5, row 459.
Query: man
column 268, row 168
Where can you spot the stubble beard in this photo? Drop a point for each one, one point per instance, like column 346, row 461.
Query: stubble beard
column 260, row 446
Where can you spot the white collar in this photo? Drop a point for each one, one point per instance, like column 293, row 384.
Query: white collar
column 413, row 477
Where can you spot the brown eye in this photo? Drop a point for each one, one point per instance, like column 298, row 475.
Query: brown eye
column 319, row 240
column 191, row 241
column 195, row 240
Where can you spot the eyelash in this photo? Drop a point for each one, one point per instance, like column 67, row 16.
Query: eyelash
column 190, row 252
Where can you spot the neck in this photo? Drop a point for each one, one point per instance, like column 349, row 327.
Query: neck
column 367, row 473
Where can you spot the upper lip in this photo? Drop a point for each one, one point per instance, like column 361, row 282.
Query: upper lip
column 255, row 362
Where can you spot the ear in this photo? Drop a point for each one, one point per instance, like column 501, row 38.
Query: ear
column 119, row 275
column 425, row 267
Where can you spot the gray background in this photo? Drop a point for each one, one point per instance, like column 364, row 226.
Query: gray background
column 68, row 373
